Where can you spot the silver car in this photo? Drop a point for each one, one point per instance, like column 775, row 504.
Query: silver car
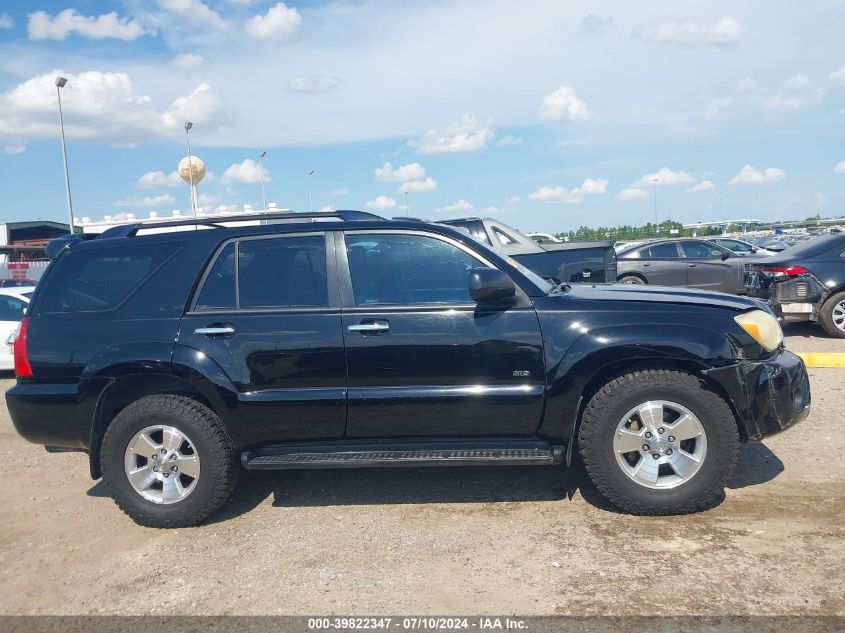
column 682, row 262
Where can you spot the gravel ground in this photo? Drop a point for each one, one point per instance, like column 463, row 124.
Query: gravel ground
column 529, row 541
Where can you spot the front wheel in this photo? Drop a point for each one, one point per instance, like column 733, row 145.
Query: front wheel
column 168, row 461
column 659, row 442
column 832, row 315
column 632, row 280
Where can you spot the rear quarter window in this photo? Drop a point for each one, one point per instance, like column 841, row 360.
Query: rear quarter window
column 101, row 280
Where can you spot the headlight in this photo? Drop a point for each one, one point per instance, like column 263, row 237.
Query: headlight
column 763, row 328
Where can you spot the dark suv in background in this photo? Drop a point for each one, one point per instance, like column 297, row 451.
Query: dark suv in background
column 175, row 356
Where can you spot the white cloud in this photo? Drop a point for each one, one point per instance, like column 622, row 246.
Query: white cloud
column 510, row 139
column 589, row 187
column 343, row 191
column 194, row 11
column 750, row 175
column 313, row 84
column 664, row 177
column 562, row 104
column 461, row 205
column 187, row 61
column 513, row 200
column 411, row 171
column 726, row 31
column 43, row 26
column 704, row 185
column 838, row 77
column 632, row 193
column 794, row 93
column 101, row 105
column 418, row 186
column 164, row 199
column 327, row 208
column 840, row 167
column 490, row 210
column 467, row 135
column 381, row 202
column 6, row 21
column 157, row 179
column 595, row 24
column 278, row 22
column 14, row 150
column 717, row 106
column 247, row 171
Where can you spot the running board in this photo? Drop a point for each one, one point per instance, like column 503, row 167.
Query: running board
column 406, row 454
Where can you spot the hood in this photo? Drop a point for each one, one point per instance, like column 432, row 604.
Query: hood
column 662, row 294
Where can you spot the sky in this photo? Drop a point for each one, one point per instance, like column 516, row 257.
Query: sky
column 547, row 114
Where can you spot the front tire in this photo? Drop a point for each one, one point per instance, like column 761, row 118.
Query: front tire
column 168, row 461
column 632, row 280
column 832, row 315
column 658, row 442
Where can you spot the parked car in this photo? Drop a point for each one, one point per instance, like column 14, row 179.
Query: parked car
column 544, row 238
column 571, row 262
column 682, row 262
column 741, row 247
column 805, row 283
column 775, row 244
column 17, row 283
column 13, row 304
column 174, row 359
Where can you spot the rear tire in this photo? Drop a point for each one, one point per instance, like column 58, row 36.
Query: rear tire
column 603, row 432
column 632, row 280
column 138, row 441
column 832, row 315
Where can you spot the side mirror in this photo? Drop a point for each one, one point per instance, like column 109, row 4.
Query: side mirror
column 490, row 285
column 725, row 256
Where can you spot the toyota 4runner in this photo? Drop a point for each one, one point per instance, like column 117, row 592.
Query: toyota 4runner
column 174, row 357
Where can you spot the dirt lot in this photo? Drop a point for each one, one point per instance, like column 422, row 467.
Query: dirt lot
column 458, row 541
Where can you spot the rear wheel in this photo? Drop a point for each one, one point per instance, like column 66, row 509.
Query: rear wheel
column 659, row 442
column 632, row 280
column 168, row 461
column 832, row 315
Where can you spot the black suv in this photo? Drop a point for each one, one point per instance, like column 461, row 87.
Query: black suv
column 175, row 356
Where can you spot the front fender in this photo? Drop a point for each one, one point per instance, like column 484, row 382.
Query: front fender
column 574, row 360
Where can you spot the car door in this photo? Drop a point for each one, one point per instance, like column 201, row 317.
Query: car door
column 268, row 314
column 661, row 264
column 708, row 269
column 423, row 359
column 12, row 310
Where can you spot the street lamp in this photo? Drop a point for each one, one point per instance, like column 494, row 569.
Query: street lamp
column 261, row 167
column 60, row 83
column 654, row 186
column 310, row 198
column 188, row 126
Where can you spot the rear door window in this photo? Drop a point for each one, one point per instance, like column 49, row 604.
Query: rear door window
column 102, row 279
column 660, row 251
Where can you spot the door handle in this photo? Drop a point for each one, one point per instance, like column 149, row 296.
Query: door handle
column 646, row 265
column 215, row 330
column 692, row 265
column 372, row 327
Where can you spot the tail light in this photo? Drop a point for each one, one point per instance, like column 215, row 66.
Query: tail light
column 785, row 271
column 22, row 367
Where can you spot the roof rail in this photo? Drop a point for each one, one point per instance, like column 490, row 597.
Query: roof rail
column 347, row 215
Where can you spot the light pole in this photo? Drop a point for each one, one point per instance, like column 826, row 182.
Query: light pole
column 188, row 126
column 310, row 198
column 654, row 186
column 60, row 83
column 407, row 207
column 261, row 167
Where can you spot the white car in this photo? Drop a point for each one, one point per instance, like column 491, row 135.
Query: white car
column 544, row 238
column 13, row 305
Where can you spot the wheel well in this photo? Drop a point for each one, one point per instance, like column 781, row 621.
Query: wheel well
column 126, row 390
column 613, row 370
column 637, row 275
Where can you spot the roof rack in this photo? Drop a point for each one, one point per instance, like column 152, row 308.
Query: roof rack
column 128, row 230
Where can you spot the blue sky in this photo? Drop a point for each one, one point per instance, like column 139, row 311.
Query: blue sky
column 548, row 114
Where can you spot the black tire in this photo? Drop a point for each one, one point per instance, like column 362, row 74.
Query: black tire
column 634, row 280
column 219, row 466
column 612, row 402
column 826, row 315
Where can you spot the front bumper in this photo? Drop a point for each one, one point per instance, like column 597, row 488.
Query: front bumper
column 767, row 396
